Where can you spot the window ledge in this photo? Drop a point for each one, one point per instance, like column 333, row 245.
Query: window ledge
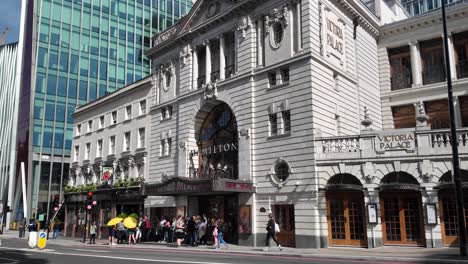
column 277, row 86
column 111, row 156
column 141, row 149
column 127, row 120
column 77, row 136
column 100, row 129
column 89, row 133
column 278, row 136
column 141, row 116
column 113, row 125
column 165, row 156
column 166, row 119
column 125, row 153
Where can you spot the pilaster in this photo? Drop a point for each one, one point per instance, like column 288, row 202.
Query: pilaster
column 222, row 58
column 416, row 63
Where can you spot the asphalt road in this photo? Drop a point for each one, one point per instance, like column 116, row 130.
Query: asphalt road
column 15, row 251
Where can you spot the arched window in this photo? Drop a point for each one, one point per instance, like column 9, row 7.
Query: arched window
column 282, row 171
column 278, row 32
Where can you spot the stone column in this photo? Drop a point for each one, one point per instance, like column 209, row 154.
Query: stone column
column 195, row 69
column 207, row 62
column 451, row 49
column 416, row 63
column 222, row 58
column 299, row 26
column 458, row 117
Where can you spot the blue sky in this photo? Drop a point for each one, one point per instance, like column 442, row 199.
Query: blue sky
column 10, row 17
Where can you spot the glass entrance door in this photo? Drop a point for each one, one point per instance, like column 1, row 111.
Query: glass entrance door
column 346, row 219
column 448, row 216
column 402, row 218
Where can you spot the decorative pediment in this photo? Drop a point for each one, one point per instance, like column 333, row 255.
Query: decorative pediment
column 208, row 10
column 278, row 15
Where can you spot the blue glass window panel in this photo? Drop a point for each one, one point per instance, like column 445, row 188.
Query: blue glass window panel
column 58, row 141
column 60, row 113
column 147, row 2
column 49, row 112
column 42, row 57
column 62, row 86
column 40, row 82
column 54, row 38
column 104, row 51
column 47, row 141
column 129, row 77
column 92, row 91
column 72, row 85
column 63, row 61
column 74, row 63
column 38, row 110
column 71, row 110
column 84, row 66
column 68, row 144
column 53, row 60
column 83, row 90
column 103, row 70
column 182, row 9
column 122, row 34
column 169, row 6
column 93, row 68
column 37, row 138
column 51, row 84
column 102, row 90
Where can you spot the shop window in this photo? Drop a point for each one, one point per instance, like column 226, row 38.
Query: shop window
column 438, row 114
column 404, row 116
column 273, row 124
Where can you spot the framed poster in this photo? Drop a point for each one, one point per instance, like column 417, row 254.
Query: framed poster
column 372, row 213
column 245, row 222
column 431, row 214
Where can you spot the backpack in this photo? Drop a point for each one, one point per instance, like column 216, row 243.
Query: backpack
column 277, row 228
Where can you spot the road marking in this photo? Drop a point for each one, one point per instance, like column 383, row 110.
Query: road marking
column 136, row 259
column 18, row 253
column 91, row 250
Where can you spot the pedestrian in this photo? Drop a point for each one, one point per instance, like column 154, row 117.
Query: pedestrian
column 120, row 232
column 131, row 236
column 140, row 227
column 146, row 231
column 56, row 229
column 173, row 229
column 32, row 226
column 271, row 233
column 202, row 231
column 22, row 227
column 221, row 229
column 111, row 235
column 191, row 231
column 92, row 233
column 180, row 233
column 162, row 227
column 214, row 224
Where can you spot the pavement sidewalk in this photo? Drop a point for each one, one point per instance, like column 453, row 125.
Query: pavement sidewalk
column 394, row 253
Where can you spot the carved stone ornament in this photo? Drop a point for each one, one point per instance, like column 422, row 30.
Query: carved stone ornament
column 277, row 16
column 130, row 162
column 244, row 25
column 427, row 177
column 421, row 116
column 211, row 90
column 366, row 122
column 368, row 178
column 182, row 145
column 185, row 54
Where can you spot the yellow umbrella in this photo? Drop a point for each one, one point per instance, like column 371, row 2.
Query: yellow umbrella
column 130, row 222
column 114, row 221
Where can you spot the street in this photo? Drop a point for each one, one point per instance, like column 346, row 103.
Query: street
column 16, row 251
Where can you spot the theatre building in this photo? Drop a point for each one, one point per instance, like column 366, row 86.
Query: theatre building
column 241, row 91
column 109, row 158
column 394, row 186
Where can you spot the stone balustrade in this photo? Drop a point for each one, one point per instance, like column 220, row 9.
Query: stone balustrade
column 397, row 143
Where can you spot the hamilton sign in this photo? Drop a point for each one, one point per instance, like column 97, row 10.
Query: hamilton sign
column 392, row 142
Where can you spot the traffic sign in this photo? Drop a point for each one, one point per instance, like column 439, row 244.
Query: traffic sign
column 41, row 243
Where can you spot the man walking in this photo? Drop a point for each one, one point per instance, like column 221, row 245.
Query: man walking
column 22, row 227
column 271, row 233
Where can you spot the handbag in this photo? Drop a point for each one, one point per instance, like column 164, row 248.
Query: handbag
column 277, row 229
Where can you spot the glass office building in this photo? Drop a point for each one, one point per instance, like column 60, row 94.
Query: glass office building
column 84, row 49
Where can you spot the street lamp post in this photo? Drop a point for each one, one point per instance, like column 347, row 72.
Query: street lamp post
column 454, row 143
